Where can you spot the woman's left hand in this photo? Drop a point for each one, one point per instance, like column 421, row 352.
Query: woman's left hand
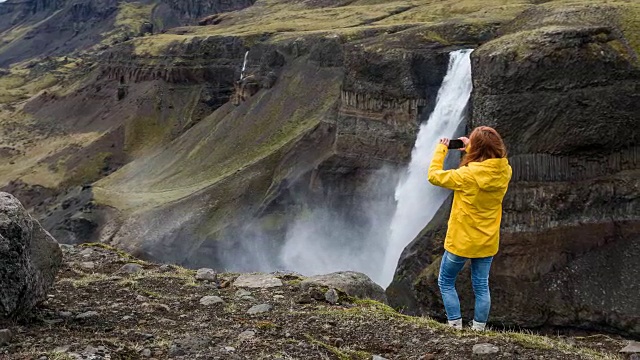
column 444, row 141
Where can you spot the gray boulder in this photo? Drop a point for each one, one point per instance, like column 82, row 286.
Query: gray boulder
column 263, row 281
column 30, row 259
column 349, row 282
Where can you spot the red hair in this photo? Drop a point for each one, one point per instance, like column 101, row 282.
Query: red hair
column 485, row 143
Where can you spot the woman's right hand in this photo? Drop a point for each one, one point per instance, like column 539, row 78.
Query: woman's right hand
column 465, row 141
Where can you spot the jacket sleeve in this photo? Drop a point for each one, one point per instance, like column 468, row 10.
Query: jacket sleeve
column 450, row 179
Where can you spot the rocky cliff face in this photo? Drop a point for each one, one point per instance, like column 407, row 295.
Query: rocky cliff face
column 193, row 10
column 565, row 99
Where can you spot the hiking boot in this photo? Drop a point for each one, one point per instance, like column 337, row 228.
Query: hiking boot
column 456, row 324
column 478, row 326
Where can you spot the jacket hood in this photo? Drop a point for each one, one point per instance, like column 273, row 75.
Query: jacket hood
column 492, row 174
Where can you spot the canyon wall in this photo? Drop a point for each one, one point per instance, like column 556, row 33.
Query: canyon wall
column 566, row 101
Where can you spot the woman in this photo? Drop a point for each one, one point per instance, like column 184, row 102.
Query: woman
column 479, row 185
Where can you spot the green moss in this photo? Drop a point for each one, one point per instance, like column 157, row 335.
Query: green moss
column 129, row 20
column 54, row 355
column 433, row 36
column 110, row 248
column 341, row 354
column 295, row 282
column 630, row 24
column 88, row 279
column 132, row 15
column 266, row 325
column 88, row 171
column 157, row 44
column 144, row 133
column 12, row 81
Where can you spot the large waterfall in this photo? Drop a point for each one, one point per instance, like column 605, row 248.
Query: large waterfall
column 418, row 200
column 322, row 240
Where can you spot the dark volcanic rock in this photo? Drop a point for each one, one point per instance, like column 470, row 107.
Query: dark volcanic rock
column 351, row 283
column 566, row 101
column 30, row 259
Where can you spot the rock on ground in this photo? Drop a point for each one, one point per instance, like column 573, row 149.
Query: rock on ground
column 87, row 315
column 257, row 281
column 632, row 347
column 378, row 357
column 257, row 309
column 485, row 349
column 30, row 259
column 131, row 268
column 206, row 274
column 331, row 296
column 210, row 300
column 5, row 337
column 351, row 283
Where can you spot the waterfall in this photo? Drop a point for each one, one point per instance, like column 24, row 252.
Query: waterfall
column 322, row 239
column 418, row 200
column 244, row 65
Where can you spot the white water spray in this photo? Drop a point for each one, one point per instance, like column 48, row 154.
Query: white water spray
column 244, row 66
column 418, row 200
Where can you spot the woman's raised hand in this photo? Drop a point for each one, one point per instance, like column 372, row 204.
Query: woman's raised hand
column 444, row 141
column 465, row 141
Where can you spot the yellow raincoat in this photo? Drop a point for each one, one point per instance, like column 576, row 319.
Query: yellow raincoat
column 479, row 187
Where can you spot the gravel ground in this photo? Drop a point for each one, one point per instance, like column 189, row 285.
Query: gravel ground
column 99, row 310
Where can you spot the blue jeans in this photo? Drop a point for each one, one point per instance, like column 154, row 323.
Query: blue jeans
column 449, row 269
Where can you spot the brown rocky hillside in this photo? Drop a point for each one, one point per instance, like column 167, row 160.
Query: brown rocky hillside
column 106, row 304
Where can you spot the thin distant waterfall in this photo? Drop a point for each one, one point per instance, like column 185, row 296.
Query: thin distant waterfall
column 244, row 65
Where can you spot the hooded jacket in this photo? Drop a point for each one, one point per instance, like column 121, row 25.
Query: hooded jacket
column 479, row 187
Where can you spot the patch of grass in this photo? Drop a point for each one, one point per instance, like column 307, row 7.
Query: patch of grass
column 294, row 282
column 89, row 171
column 630, row 24
column 12, row 81
column 129, row 20
column 528, row 339
column 149, row 293
column 265, row 325
column 54, row 355
column 88, row 279
column 533, row 341
column 188, row 275
column 131, row 15
column 276, row 16
column 230, row 307
column 120, row 253
column 157, row 44
column 128, row 282
column 341, row 354
column 41, row 83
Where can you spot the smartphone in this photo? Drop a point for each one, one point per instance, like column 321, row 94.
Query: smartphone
column 456, row 144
